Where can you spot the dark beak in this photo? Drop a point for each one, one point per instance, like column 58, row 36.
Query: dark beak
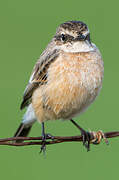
column 82, row 37
column 88, row 38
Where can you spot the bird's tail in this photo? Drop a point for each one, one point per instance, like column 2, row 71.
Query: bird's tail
column 26, row 124
column 22, row 131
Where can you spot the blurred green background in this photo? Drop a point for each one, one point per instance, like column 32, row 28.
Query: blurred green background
column 26, row 27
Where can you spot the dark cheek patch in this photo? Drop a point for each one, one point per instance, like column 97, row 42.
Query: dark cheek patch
column 68, row 38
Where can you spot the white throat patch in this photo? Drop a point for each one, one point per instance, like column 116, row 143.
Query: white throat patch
column 79, row 46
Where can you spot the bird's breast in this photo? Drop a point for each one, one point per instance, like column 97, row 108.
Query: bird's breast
column 74, row 80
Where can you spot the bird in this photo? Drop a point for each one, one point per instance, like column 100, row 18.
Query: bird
column 65, row 80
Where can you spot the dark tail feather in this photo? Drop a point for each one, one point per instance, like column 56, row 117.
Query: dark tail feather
column 22, row 131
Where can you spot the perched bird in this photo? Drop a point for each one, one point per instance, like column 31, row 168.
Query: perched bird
column 65, row 80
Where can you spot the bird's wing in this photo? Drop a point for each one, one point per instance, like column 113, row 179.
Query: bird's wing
column 39, row 75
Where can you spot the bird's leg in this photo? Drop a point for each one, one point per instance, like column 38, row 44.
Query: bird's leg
column 43, row 146
column 44, row 137
column 85, row 134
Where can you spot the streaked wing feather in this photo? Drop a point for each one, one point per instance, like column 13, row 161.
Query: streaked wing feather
column 39, row 76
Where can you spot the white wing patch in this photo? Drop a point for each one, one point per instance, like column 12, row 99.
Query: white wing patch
column 29, row 117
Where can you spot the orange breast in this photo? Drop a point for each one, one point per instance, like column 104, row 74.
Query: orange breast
column 69, row 89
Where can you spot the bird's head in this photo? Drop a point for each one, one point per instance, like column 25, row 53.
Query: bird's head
column 73, row 34
column 72, row 31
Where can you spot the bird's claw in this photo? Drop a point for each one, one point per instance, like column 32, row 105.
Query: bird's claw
column 86, row 139
column 43, row 146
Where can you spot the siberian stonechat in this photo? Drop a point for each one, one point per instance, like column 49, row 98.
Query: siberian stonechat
column 65, row 81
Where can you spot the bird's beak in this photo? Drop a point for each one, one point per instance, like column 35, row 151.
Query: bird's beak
column 82, row 37
column 88, row 38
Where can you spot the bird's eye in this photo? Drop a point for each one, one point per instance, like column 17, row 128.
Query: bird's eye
column 63, row 37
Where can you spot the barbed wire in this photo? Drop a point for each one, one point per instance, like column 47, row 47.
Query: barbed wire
column 27, row 141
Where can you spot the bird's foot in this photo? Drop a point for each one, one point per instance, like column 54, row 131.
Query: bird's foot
column 43, row 146
column 97, row 137
column 85, row 135
column 93, row 138
column 86, row 139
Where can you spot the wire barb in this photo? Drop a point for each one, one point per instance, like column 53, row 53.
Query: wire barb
column 97, row 137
